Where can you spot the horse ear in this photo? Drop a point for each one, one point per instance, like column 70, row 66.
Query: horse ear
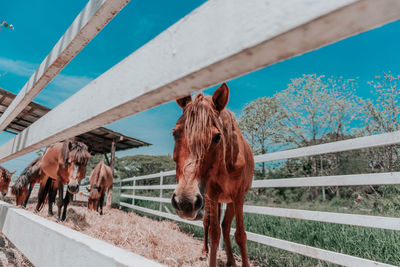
column 182, row 102
column 88, row 188
column 12, row 172
column 220, row 97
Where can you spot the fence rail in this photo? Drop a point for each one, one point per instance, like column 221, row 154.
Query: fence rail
column 379, row 222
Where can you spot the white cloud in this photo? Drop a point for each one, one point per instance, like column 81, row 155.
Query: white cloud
column 18, row 67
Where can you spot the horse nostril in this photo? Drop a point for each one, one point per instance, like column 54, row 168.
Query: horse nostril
column 199, row 202
column 174, row 203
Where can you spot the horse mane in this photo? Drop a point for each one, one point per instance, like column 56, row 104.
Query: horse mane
column 5, row 173
column 26, row 176
column 76, row 151
column 199, row 116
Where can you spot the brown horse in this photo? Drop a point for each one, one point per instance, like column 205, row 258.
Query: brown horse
column 101, row 179
column 5, row 178
column 213, row 161
column 29, row 176
column 65, row 162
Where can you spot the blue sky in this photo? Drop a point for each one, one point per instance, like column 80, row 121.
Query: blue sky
column 39, row 24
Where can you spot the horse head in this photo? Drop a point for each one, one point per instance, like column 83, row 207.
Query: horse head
column 76, row 157
column 199, row 150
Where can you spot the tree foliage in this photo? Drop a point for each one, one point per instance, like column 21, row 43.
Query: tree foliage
column 5, row 24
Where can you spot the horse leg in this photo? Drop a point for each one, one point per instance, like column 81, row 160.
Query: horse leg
column 215, row 232
column 206, row 224
column 240, row 234
column 67, row 199
column 226, row 229
column 101, row 202
column 60, row 197
column 109, row 197
column 52, row 199
column 27, row 197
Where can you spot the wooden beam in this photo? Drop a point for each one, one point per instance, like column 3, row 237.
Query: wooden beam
column 85, row 27
column 218, row 41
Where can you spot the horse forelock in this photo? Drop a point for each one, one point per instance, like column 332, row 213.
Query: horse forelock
column 78, row 153
column 199, row 118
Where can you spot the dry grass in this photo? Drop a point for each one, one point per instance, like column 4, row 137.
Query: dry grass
column 161, row 241
column 10, row 256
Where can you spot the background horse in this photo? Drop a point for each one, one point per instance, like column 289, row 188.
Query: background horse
column 65, row 162
column 29, row 176
column 101, row 179
column 213, row 161
column 5, row 178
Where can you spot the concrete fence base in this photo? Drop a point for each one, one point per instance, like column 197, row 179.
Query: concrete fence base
column 46, row 243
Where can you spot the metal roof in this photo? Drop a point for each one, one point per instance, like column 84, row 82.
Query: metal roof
column 99, row 139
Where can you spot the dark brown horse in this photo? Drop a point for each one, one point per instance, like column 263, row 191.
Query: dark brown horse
column 101, row 179
column 29, row 177
column 5, row 178
column 63, row 163
column 213, row 161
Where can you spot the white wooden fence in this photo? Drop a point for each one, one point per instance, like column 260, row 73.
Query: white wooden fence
column 219, row 41
column 380, row 222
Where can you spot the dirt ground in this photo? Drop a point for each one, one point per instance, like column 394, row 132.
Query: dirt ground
column 161, row 241
column 10, row 256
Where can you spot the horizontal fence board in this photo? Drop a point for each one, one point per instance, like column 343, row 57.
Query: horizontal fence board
column 155, row 199
column 85, row 27
column 149, row 176
column 388, row 223
column 150, row 187
column 161, row 214
column 338, row 146
column 245, row 40
column 317, row 253
column 335, row 180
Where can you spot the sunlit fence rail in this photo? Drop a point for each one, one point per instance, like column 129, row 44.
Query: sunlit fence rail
column 126, row 194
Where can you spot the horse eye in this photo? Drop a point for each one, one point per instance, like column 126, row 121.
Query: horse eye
column 175, row 134
column 216, row 138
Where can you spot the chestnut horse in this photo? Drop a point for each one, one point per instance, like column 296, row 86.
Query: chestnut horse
column 65, row 162
column 5, row 178
column 213, row 162
column 29, row 176
column 101, row 179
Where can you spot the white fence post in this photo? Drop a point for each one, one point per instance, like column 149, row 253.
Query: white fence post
column 133, row 192
column 119, row 192
column 161, row 190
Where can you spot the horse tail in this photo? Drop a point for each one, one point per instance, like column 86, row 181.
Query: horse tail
column 42, row 194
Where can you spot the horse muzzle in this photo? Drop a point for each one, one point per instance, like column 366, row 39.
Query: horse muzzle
column 188, row 208
column 73, row 189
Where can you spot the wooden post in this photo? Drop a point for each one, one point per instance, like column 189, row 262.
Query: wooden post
column 161, row 191
column 109, row 197
column 107, row 160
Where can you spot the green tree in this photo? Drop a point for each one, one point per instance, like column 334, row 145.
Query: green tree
column 5, row 24
column 383, row 116
column 260, row 124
